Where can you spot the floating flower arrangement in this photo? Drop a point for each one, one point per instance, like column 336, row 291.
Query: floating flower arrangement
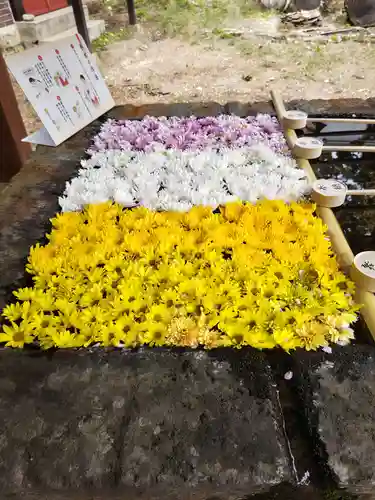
column 142, row 256
column 260, row 275
column 155, row 134
column 178, row 180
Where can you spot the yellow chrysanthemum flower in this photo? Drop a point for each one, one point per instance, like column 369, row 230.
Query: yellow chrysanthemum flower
column 262, row 275
column 16, row 335
column 14, row 312
column 65, row 339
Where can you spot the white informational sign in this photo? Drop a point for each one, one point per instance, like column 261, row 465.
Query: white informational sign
column 62, row 82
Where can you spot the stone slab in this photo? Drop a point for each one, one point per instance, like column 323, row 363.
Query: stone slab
column 338, row 397
column 48, row 24
column 95, row 28
column 279, row 492
column 60, row 416
column 149, row 421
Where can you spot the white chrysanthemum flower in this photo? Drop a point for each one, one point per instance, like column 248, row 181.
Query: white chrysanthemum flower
column 178, row 180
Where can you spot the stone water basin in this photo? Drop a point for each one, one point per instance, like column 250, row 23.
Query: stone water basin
column 157, row 424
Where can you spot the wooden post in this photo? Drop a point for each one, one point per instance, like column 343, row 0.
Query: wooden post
column 131, row 12
column 340, row 246
column 80, row 19
column 13, row 152
column 17, row 9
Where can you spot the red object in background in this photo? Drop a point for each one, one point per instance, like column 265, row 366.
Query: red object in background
column 38, row 7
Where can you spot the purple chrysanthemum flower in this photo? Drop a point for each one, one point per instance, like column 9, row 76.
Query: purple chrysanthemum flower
column 159, row 133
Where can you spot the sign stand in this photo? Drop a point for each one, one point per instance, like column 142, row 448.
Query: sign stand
column 63, row 83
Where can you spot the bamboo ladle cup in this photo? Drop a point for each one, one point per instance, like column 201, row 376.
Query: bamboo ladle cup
column 332, row 193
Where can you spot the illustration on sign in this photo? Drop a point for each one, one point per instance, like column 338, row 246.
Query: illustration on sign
column 63, row 84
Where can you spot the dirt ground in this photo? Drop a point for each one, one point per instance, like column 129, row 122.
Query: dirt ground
column 142, row 70
column 173, row 70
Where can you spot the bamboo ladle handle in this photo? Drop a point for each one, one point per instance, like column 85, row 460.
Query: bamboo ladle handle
column 296, row 119
column 361, row 192
column 311, row 148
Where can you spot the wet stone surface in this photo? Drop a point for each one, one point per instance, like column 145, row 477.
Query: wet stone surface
column 153, row 419
column 279, row 492
column 337, row 393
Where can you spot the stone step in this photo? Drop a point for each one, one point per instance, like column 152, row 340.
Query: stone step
column 47, row 25
column 157, row 421
column 95, row 28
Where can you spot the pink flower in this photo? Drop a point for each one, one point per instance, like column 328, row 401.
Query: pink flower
column 191, row 133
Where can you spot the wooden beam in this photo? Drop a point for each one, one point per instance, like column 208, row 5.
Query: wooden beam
column 13, row 152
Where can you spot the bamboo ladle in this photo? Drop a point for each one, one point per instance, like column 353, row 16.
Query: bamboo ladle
column 362, row 266
column 296, row 119
column 310, row 148
column 332, row 193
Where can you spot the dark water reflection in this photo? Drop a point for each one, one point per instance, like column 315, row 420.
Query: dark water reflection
column 357, row 170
